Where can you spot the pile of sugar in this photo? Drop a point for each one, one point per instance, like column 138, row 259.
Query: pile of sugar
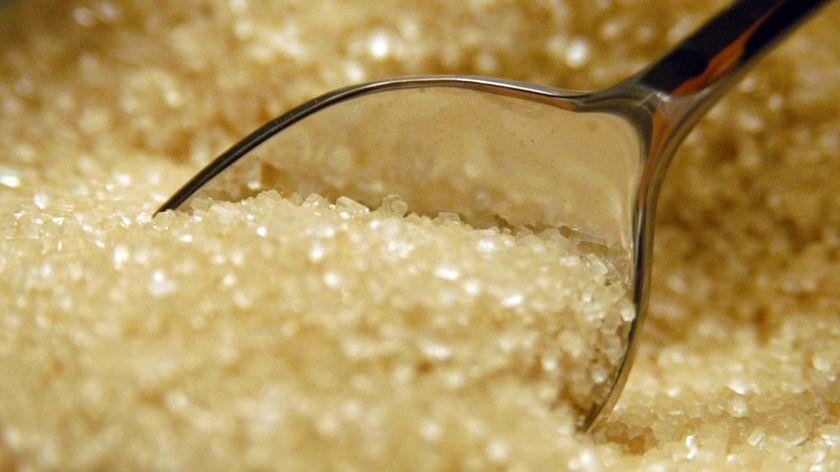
column 106, row 107
column 271, row 331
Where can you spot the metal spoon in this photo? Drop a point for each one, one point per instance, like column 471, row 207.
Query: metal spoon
column 501, row 152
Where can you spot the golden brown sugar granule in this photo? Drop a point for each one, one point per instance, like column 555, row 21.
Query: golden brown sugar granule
column 191, row 341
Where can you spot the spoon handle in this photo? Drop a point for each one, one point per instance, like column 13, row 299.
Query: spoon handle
column 725, row 46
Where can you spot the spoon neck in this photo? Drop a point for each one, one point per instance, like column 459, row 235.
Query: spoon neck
column 716, row 55
column 680, row 87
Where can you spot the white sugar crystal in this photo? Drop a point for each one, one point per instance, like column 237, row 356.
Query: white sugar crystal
column 447, row 272
column 9, row 179
column 160, row 284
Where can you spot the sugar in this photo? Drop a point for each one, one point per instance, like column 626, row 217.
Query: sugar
column 193, row 341
column 160, row 284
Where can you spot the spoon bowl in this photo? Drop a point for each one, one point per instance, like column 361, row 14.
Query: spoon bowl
column 502, row 153
column 496, row 153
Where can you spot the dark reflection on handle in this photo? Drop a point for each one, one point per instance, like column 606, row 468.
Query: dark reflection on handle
column 726, row 45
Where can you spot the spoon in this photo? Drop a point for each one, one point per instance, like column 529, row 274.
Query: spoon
column 510, row 153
